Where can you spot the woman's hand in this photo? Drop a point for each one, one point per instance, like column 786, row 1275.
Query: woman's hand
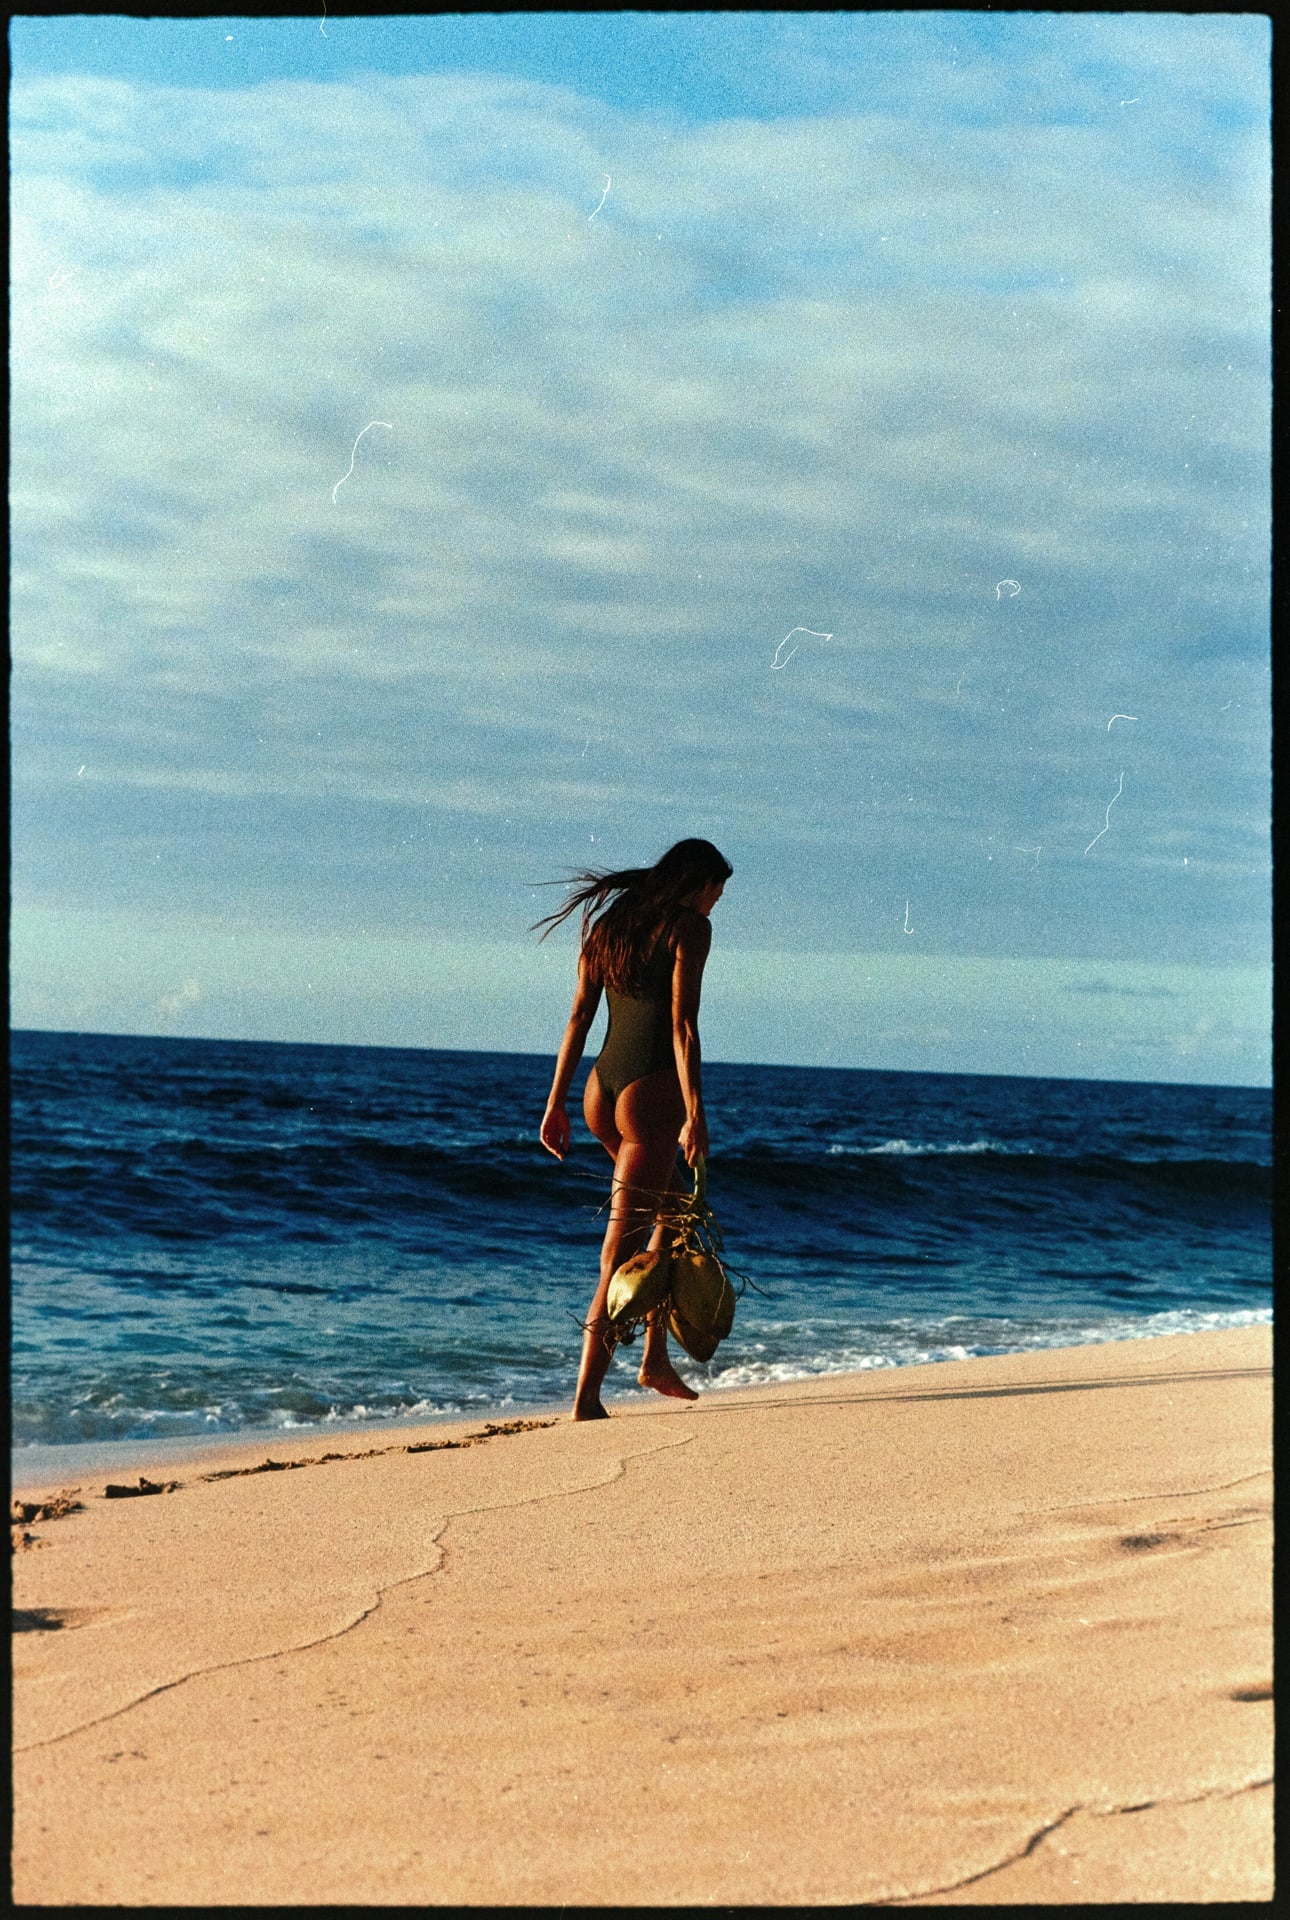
column 554, row 1134
column 694, row 1139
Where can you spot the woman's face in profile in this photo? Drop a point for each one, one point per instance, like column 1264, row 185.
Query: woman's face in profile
column 707, row 897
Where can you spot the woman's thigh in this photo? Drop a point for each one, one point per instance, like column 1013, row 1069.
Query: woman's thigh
column 649, row 1114
column 650, row 1111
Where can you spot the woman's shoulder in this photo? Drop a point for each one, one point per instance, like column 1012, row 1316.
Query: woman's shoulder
column 690, row 928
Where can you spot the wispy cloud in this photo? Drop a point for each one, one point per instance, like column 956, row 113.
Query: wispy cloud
column 171, row 1006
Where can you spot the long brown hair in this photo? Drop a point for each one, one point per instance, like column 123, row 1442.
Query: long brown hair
column 624, row 914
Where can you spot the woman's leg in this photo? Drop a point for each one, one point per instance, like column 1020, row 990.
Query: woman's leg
column 657, row 1370
column 598, row 1112
column 647, row 1119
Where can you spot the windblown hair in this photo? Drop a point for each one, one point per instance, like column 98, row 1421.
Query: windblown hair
column 625, row 914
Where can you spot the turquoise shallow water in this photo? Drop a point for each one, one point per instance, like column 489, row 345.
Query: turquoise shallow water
column 217, row 1238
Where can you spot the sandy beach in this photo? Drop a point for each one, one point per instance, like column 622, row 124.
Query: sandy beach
column 987, row 1631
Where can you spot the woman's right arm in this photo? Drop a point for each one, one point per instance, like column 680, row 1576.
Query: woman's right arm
column 693, row 941
column 554, row 1133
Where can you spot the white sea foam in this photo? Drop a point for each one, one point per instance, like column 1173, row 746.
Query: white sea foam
column 404, row 1410
column 1009, row 1337
column 918, row 1147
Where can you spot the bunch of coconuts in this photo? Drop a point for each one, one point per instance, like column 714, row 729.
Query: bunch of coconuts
column 683, row 1275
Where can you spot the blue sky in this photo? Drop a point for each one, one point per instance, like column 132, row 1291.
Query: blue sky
column 427, row 434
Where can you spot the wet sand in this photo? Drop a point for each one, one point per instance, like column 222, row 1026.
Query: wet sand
column 992, row 1631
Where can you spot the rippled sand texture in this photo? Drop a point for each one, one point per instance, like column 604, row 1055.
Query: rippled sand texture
column 991, row 1631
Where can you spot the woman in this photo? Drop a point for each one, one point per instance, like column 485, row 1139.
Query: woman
column 645, row 948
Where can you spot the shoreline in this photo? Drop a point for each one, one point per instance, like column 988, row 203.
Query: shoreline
column 39, row 1464
column 42, row 1461
column 984, row 1631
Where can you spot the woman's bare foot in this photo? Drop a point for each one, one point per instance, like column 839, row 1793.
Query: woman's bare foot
column 596, row 1412
column 664, row 1378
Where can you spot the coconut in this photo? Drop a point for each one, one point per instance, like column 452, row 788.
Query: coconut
column 639, row 1285
column 699, row 1342
column 701, row 1294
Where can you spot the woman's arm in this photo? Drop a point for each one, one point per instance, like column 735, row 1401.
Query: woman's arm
column 693, row 941
column 554, row 1133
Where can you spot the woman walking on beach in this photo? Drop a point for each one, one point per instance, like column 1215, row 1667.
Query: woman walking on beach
column 645, row 938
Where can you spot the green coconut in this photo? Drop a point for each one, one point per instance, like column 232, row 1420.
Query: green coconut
column 639, row 1285
column 699, row 1342
column 701, row 1293
column 703, row 1303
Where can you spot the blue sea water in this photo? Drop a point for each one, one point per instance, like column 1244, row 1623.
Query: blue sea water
column 214, row 1237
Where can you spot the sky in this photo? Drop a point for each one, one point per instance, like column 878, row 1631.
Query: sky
column 452, row 452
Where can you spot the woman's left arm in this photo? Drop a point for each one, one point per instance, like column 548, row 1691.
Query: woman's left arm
column 693, row 939
column 554, row 1133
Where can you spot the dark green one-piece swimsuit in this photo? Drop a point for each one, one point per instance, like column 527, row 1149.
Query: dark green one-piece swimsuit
column 639, row 1040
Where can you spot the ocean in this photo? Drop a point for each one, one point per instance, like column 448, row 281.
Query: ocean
column 219, row 1238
